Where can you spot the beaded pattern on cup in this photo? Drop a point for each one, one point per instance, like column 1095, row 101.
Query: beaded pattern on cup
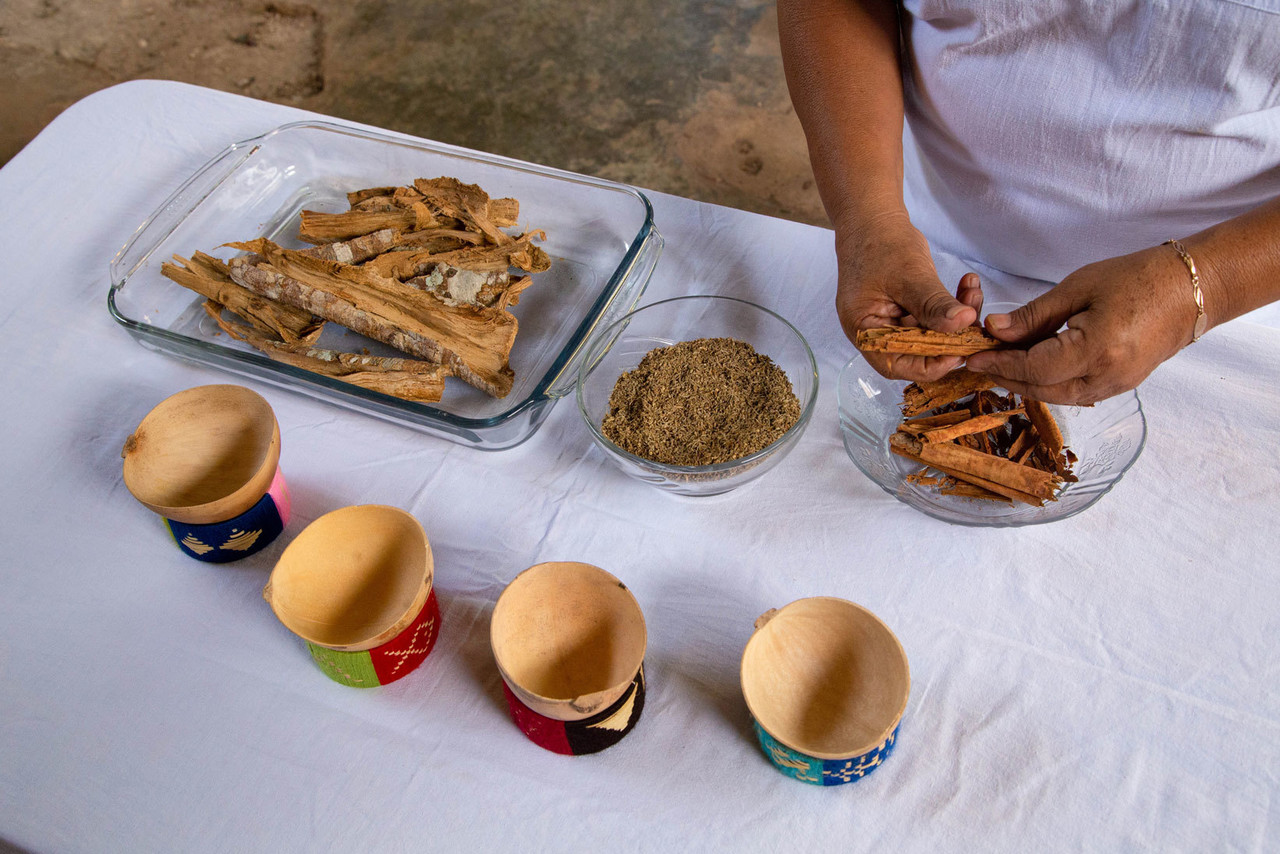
column 589, row 735
column 824, row 772
column 387, row 663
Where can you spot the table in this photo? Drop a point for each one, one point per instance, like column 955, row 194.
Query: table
column 1107, row 682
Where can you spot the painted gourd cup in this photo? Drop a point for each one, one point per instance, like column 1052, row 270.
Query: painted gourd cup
column 569, row 640
column 207, row 460
column 827, row 684
column 357, row 586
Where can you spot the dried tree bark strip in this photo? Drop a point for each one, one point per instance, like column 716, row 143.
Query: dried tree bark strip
column 210, row 278
column 1035, row 482
column 1046, row 425
column 921, row 397
column 475, row 344
column 978, row 424
column 406, row 379
column 357, row 249
column 918, row 425
column 904, row 446
column 913, row 340
column 320, row 228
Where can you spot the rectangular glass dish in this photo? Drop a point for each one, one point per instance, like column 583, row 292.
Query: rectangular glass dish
column 600, row 236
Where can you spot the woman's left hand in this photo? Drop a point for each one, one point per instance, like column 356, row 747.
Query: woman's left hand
column 1123, row 316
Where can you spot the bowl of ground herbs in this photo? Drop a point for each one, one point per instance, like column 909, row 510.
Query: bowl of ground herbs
column 698, row 395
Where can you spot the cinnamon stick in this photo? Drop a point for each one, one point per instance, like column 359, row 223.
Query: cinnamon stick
column 921, row 397
column 913, row 340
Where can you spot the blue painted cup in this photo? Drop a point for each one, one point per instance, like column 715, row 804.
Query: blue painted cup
column 207, row 460
column 826, row 683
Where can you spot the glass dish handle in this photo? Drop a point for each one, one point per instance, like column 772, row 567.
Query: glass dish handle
column 161, row 224
column 634, row 281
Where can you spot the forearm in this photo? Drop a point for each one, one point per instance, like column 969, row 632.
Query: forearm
column 842, row 66
column 1239, row 263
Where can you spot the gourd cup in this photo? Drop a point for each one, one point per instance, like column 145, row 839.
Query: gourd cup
column 357, row 586
column 569, row 640
column 207, row 461
column 827, row 684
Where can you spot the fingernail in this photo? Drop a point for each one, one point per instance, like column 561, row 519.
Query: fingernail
column 954, row 311
column 998, row 322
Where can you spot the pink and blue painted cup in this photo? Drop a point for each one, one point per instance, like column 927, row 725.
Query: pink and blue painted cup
column 207, row 460
column 826, row 683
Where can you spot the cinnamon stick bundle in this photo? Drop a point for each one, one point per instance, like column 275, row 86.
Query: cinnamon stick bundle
column 987, row 445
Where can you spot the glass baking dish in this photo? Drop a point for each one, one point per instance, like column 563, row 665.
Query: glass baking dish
column 600, row 235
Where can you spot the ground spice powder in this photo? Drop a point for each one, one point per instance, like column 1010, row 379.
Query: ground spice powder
column 699, row 403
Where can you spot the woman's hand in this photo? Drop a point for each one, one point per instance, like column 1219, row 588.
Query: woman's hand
column 887, row 278
column 1123, row 316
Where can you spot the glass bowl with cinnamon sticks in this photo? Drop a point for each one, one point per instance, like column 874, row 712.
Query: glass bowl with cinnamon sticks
column 966, row 451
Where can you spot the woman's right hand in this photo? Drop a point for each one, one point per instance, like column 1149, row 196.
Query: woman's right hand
column 887, row 278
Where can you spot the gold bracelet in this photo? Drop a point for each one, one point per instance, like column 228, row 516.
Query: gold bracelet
column 1201, row 319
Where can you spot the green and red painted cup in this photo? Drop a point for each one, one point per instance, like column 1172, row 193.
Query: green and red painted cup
column 569, row 640
column 357, row 586
column 826, row 682
column 207, row 460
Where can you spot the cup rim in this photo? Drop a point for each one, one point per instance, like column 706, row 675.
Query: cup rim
column 270, row 592
column 567, row 709
column 900, row 660
column 234, row 503
column 598, row 350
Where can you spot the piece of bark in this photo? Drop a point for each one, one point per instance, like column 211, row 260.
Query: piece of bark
column 462, row 287
column 913, row 340
column 357, row 196
column 921, row 397
column 1042, row 484
column 977, row 424
column 358, row 249
column 470, row 204
column 319, row 228
column 474, row 344
column 972, row 490
column 910, row 448
column 918, row 425
column 1023, row 444
column 1049, row 432
column 407, row 379
column 210, row 278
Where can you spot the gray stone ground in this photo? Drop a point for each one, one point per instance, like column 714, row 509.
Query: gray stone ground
column 677, row 96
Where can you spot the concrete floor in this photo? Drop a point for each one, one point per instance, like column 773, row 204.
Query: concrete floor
column 681, row 97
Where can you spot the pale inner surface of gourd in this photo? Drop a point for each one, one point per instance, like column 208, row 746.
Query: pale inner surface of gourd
column 350, row 576
column 825, row 678
column 568, row 632
column 199, row 448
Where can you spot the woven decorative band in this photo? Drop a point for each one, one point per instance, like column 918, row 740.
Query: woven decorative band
column 589, row 735
column 381, row 665
column 250, row 532
column 824, row 772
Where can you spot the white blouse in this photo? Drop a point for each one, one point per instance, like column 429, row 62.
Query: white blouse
column 1044, row 135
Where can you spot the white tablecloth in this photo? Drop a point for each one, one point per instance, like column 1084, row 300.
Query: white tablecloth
column 1106, row 682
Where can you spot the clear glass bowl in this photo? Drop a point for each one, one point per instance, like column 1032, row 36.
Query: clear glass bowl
column 1106, row 437
column 600, row 235
column 620, row 347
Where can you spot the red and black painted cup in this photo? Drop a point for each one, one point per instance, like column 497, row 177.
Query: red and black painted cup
column 357, row 586
column 569, row 640
column 207, row 460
